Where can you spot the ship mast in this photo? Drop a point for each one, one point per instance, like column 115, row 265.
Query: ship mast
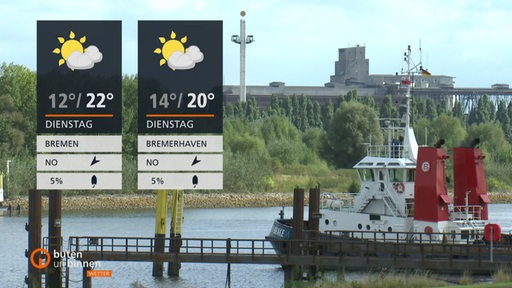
column 410, row 139
column 407, row 59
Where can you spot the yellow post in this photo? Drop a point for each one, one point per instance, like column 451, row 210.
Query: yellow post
column 160, row 219
column 177, row 212
column 161, row 212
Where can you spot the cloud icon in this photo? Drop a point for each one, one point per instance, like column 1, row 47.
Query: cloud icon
column 184, row 61
column 86, row 60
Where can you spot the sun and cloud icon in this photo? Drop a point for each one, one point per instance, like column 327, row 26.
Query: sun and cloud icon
column 175, row 54
column 75, row 55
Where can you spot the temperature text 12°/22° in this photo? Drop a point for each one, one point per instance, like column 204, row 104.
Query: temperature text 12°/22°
column 74, row 100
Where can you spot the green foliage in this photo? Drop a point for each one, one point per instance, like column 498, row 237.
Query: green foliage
column 353, row 125
column 130, row 115
column 277, row 128
column 388, row 109
column 491, row 136
column 21, row 176
column 430, row 109
column 380, row 280
column 315, row 139
column 246, row 173
column 291, row 142
column 482, row 113
column 448, row 128
column 502, row 276
column 17, row 110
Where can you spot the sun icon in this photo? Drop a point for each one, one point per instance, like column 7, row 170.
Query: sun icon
column 69, row 46
column 170, row 46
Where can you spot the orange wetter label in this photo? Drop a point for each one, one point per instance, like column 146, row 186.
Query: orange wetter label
column 99, row 273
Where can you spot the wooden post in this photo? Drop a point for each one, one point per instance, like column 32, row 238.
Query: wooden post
column 34, row 238
column 54, row 271
column 161, row 217
column 314, row 226
column 294, row 272
column 86, row 281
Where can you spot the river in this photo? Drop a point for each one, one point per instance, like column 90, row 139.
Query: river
column 205, row 223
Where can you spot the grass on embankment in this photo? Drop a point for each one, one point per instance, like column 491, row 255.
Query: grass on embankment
column 418, row 279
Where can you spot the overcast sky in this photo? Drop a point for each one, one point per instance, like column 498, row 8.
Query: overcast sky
column 297, row 41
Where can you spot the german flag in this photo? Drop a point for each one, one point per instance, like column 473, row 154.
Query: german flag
column 424, row 72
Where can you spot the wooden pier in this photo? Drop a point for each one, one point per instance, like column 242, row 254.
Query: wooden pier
column 355, row 254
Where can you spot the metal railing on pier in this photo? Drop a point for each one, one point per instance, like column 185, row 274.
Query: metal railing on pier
column 350, row 251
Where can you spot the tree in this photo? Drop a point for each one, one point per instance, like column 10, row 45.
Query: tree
column 491, row 137
column 368, row 101
column 418, row 109
column 458, row 111
column 327, row 114
column 19, row 82
column 483, row 112
column 18, row 108
column 277, row 128
column 317, row 115
column 388, row 109
column 430, row 109
column 252, row 110
column 503, row 119
column 130, row 116
column 274, row 109
column 353, row 125
column 12, row 124
column 314, row 138
column 424, row 132
column 351, row 95
column 442, row 107
column 448, row 128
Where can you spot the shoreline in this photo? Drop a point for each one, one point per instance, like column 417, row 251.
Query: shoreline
column 191, row 200
column 148, row 201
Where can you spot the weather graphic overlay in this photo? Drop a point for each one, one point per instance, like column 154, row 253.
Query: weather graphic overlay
column 74, row 54
column 180, row 77
column 79, row 126
column 177, row 57
column 79, row 77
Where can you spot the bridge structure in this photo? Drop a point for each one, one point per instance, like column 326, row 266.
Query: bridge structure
column 468, row 97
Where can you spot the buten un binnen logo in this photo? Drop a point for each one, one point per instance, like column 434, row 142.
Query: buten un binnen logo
column 69, row 259
column 40, row 264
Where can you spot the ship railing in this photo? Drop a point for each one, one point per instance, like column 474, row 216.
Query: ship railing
column 337, row 201
column 387, row 151
column 404, row 237
column 466, row 212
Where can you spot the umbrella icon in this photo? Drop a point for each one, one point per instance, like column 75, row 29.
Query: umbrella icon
column 195, row 181
column 94, row 180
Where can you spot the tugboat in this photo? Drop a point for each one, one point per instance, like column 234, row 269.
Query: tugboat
column 403, row 195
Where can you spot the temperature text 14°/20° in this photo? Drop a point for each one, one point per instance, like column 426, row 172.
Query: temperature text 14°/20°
column 74, row 100
column 195, row 100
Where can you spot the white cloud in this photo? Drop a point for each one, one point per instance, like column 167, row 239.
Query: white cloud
column 94, row 53
column 195, row 53
column 187, row 60
column 86, row 60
